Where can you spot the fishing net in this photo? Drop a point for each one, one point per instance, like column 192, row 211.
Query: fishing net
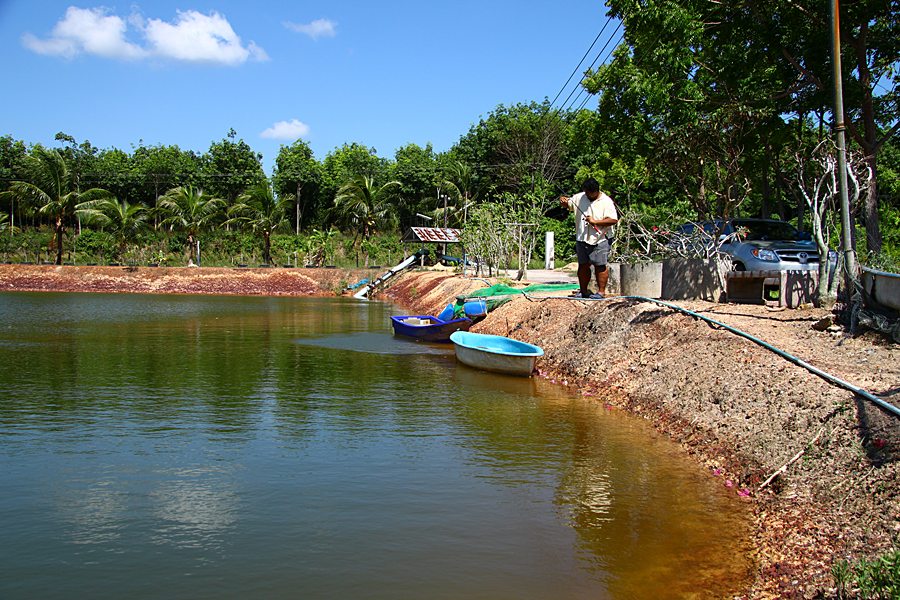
column 499, row 294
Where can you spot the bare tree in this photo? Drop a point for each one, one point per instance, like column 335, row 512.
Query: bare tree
column 817, row 176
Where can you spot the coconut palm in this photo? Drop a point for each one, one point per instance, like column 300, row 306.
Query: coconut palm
column 188, row 209
column 53, row 191
column 120, row 218
column 460, row 185
column 258, row 210
column 363, row 206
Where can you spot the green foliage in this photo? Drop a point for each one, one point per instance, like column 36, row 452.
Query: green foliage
column 229, row 168
column 415, row 169
column 364, row 208
column 95, row 246
column 875, row 579
column 299, row 176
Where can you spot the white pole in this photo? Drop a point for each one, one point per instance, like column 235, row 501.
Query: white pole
column 549, row 250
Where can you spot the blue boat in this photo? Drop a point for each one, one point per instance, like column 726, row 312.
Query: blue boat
column 495, row 353
column 427, row 328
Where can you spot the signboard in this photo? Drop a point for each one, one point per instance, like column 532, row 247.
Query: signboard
column 443, row 235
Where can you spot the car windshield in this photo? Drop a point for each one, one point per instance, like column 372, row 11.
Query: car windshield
column 768, row 230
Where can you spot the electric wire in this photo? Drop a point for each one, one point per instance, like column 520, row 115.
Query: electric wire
column 580, row 87
column 575, row 70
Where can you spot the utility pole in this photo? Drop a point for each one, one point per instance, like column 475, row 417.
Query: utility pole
column 839, row 131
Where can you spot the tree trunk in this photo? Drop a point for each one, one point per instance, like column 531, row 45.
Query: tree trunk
column 60, row 229
column 868, row 141
column 267, row 249
column 766, row 188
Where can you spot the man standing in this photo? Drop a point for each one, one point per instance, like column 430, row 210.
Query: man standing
column 594, row 218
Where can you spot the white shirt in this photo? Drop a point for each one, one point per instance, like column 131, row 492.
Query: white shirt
column 601, row 208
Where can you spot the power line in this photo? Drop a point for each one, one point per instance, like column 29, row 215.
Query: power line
column 575, row 70
column 594, row 62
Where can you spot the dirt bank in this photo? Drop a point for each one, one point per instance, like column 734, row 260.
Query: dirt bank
column 742, row 411
column 177, row 280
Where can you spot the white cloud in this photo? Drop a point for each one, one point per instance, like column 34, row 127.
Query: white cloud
column 196, row 37
column 286, row 130
column 86, row 31
column 192, row 37
column 317, row 29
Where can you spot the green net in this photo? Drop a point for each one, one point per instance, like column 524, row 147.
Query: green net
column 501, row 293
column 501, row 289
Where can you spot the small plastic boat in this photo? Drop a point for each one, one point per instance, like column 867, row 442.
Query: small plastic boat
column 495, row 353
column 428, row 328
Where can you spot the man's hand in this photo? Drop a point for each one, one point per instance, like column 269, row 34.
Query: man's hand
column 564, row 200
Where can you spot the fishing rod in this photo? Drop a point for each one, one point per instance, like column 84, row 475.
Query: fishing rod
column 584, row 216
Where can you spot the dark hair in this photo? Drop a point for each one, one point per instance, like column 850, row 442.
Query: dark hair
column 590, row 185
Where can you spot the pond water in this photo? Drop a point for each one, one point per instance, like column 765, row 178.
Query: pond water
column 226, row 447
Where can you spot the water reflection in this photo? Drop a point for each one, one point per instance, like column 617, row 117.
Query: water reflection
column 194, row 509
column 94, row 513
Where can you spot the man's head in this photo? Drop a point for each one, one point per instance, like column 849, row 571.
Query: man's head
column 591, row 188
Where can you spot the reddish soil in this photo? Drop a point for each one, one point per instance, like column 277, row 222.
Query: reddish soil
column 177, row 280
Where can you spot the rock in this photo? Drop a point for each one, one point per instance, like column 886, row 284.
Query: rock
column 823, row 324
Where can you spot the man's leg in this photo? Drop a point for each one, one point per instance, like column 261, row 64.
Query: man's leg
column 602, row 275
column 584, row 279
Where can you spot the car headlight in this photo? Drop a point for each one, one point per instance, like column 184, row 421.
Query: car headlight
column 766, row 255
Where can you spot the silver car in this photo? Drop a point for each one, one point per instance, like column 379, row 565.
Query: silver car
column 759, row 244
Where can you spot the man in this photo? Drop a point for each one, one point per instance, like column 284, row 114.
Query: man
column 595, row 214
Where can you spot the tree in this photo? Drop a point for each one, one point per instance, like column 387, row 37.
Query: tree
column 228, row 168
column 13, row 154
column 459, row 183
column 521, row 146
column 299, row 175
column 160, row 168
column 347, row 163
column 364, row 207
column 125, row 221
column 188, row 209
column 260, row 211
column 817, row 177
column 687, row 60
column 52, row 191
column 415, row 168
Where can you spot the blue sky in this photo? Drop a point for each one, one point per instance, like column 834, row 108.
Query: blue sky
column 383, row 74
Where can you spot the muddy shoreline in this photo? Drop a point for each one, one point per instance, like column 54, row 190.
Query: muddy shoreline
column 742, row 412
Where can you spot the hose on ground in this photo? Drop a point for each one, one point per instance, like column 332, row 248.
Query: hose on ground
column 885, row 406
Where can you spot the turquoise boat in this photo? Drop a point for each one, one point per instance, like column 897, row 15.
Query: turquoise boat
column 495, row 353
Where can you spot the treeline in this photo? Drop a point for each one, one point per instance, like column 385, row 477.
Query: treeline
column 707, row 109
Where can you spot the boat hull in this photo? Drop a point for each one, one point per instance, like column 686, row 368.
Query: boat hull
column 496, row 353
column 427, row 328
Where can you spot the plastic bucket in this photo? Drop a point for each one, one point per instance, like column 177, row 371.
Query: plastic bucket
column 475, row 308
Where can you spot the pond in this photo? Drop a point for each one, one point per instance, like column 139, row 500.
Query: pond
column 228, row 447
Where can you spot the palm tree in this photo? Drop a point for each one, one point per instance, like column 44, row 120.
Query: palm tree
column 188, row 209
column 363, row 207
column 260, row 211
column 461, row 186
column 53, row 191
column 120, row 218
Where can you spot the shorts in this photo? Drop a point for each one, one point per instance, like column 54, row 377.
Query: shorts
column 594, row 254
